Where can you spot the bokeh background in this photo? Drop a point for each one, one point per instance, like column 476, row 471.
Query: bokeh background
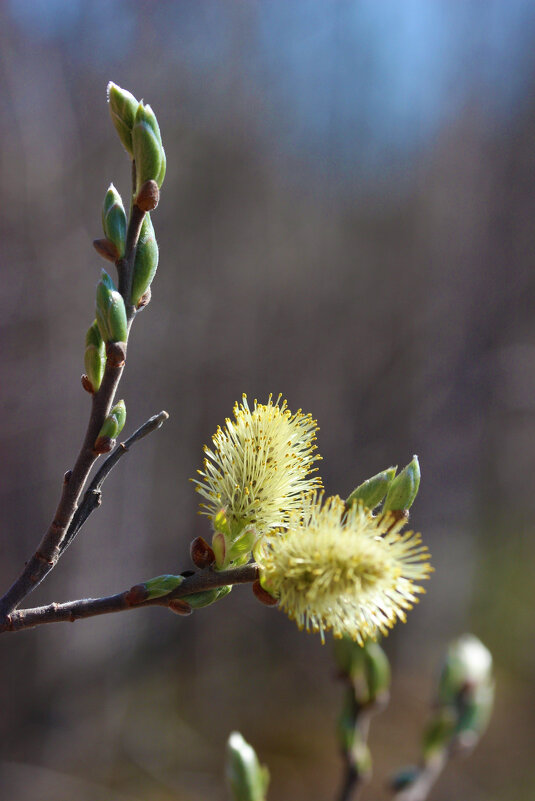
column 348, row 218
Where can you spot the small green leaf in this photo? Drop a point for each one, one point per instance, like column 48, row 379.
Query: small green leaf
column 373, row 490
column 162, row 585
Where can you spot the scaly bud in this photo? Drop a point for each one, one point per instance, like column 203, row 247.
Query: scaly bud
column 114, row 220
column 247, row 778
column 146, row 261
column 148, row 151
column 114, row 422
column 94, row 357
column 201, row 554
column 403, row 488
column 373, row 490
column 162, row 585
column 123, row 106
column 148, row 196
column 110, row 312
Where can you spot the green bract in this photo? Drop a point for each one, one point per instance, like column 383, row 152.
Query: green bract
column 146, row 261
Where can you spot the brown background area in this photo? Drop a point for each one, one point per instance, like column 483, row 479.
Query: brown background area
column 389, row 291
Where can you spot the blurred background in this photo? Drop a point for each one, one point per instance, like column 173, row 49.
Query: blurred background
column 348, row 218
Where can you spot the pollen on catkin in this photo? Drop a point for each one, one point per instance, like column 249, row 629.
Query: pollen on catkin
column 260, row 465
column 345, row 571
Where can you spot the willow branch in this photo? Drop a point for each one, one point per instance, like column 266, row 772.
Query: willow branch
column 134, row 598
column 47, row 554
column 93, row 495
column 420, row 788
column 356, row 771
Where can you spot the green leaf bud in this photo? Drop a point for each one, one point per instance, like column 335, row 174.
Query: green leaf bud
column 123, row 107
column 110, row 311
column 147, row 147
column 404, row 488
column 146, row 261
column 247, row 778
column 198, row 600
column 114, row 422
column 114, row 220
column 94, row 356
column 373, row 490
column 162, row 585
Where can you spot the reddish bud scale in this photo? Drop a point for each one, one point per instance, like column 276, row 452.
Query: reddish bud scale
column 87, row 385
column 106, row 249
column 180, row 607
column 201, row 554
column 148, row 196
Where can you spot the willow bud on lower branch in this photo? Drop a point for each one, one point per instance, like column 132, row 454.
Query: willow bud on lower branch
column 94, row 358
column 110, row 311
column 146, row 261
column 148, row 151
column 111, row 428
column 114, row 220
column 123, row 107
column 248, row 779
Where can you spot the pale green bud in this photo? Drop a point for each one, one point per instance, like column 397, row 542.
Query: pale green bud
column 247, row 778
column 465, row 696
column 162, row 585
column 198, row 600
column 146, row 261
column 110, row 311
column 373, row 490
column 114, row 219
column 403, row 488
column 149, row 154
column 114, row 422
column 94, row 356
column 123, row 107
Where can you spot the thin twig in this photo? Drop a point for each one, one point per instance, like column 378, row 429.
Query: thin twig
column 425, row 779
column 93, row 495
column 355, row 774
column 49, row 550
column 134, row 598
